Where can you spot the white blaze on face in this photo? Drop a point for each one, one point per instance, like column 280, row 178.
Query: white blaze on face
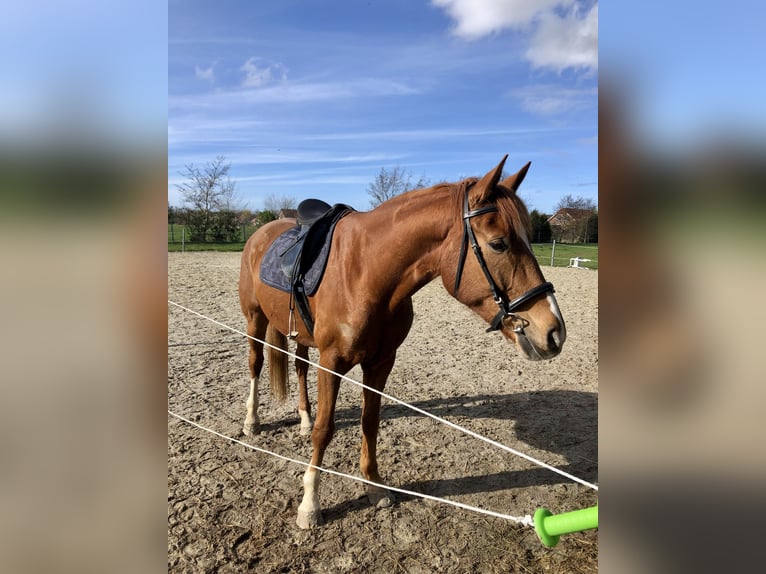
column 521, row 232
column 525, row 237
column 557, row 312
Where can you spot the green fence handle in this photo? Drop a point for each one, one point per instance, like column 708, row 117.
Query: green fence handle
column 550, row 527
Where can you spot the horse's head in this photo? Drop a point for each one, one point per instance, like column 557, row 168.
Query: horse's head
column 501, row 280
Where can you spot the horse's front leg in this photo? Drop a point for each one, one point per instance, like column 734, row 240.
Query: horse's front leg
column 309, row 512
column 304, row 407
column 375, row 376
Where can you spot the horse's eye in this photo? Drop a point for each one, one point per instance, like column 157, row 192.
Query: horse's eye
column 498, row 245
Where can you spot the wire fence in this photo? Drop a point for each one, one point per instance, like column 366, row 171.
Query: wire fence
column 526, row 520
column 180, row 238
column 390, row 398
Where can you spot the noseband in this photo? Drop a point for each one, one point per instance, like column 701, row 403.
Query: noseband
column 506, row 307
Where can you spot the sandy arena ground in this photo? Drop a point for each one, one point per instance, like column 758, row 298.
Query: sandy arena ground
column 231, row 509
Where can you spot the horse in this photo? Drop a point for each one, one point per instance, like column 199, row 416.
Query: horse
column 363, row 305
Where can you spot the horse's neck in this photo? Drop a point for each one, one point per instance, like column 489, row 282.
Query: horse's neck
column 409, row 234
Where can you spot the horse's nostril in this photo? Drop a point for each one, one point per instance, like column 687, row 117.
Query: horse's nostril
column 554, row 339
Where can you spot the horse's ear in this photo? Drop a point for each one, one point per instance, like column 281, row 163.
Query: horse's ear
column 486, row 185
column 513, row 182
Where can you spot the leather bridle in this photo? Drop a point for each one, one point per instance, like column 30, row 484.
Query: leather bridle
column 506, row 307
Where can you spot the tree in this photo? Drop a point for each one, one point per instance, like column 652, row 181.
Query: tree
column 579, row 202
column 275, row 203
column 172, row 214
column 224, row 226
column 591, row 229
column 208, row 189
column 388, row 184
column 173, row 218
column 245, row 216
column 263, row 217
column 541, row 229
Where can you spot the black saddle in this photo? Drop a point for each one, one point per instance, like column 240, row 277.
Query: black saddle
column 295, row 262
column 309, row 210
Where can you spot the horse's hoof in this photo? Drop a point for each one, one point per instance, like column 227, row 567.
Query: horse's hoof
column 252, row 429
column 307, row 520
column 381, row 498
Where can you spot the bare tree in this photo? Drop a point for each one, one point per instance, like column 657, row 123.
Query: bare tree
column 206, row 190
column 570, row 202
column 275, row 203
column 390, row 183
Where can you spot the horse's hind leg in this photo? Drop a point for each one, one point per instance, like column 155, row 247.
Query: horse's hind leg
column 304, row 407
column 256, row 327
column 375, row 376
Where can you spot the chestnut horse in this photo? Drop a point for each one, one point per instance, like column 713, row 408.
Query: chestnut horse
column 363, row 307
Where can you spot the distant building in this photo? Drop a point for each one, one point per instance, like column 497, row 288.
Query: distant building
column 284, row 213
column 570, row 225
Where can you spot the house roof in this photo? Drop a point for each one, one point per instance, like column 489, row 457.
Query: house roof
column 288, row 213
column 571, row 213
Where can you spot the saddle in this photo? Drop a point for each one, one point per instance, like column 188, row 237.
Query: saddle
column 296, row 260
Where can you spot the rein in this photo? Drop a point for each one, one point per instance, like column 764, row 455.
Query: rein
column 506, row 307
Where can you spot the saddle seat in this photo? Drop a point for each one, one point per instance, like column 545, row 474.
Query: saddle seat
column 309, row 210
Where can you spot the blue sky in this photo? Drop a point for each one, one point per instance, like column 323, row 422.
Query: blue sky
column 690, row 71
column 312, row 99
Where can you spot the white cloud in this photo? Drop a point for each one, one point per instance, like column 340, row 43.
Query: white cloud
column 259, row 72
column 206, row 74
column 557, row 41
column 564, row 42
column 477, row 18
column 549, row 99
column 290, row 92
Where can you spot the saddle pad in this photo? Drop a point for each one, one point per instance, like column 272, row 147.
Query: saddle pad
column 271, row 270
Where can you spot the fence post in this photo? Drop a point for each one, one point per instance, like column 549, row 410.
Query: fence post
column 183, row 238
column 553, row 251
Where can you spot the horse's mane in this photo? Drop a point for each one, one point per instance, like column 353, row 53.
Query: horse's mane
column 509, row 206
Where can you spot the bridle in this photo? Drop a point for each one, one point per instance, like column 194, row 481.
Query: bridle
column 506, row 307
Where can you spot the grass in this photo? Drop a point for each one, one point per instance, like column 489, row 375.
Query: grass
column 206, row 246
column 176, row 232
column 565, row 251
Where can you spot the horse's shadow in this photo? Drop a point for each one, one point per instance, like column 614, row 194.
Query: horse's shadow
column 562, row 422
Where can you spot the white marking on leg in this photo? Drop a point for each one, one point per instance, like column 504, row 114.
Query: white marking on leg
column 309, row 512
column 306, row 422
column 252, row 424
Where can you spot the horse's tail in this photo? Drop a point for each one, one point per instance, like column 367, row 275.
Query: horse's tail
column 277, row 364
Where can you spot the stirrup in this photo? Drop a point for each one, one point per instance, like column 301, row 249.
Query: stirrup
column 292, row 331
